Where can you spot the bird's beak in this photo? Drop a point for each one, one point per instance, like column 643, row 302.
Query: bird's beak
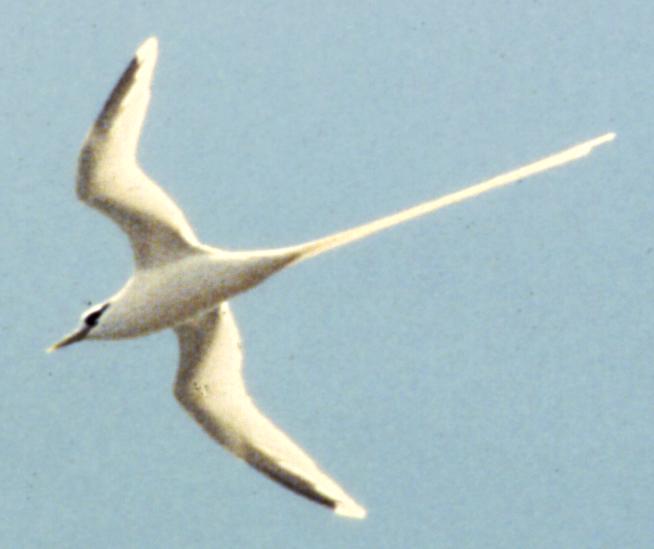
column 76, row 336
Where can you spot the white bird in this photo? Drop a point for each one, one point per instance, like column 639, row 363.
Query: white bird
column 182, row 284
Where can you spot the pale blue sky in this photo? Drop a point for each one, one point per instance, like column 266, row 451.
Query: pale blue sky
column 479, row 378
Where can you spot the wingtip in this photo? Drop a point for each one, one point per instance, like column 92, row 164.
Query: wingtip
column 148, row 49
column 350, row 509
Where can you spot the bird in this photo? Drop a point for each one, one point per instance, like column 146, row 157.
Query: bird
column 179, row 283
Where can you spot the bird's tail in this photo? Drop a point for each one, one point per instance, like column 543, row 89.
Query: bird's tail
column 321, row 245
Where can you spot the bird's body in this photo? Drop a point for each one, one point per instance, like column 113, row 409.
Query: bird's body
column 170, row 294
column 182, row 284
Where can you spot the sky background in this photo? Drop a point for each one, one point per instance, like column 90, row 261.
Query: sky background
column 481, row 377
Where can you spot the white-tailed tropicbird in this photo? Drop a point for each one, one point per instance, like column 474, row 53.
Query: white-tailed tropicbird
column 182, row 284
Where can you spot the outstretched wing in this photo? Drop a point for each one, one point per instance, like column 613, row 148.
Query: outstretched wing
column 210, row 386
column 110, row 179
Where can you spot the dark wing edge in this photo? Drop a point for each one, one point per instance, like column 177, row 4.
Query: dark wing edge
column 110, row 179
column 99, row 140
column 209, row 386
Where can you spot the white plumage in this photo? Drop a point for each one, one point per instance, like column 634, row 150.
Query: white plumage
column 182, row 284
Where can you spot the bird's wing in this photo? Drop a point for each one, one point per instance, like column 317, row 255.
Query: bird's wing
column 110, row 179
column 210, row 386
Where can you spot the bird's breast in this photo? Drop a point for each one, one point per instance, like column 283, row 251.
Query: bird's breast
column 166, row 296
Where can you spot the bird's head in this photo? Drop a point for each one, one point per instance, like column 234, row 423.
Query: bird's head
column 90, row 320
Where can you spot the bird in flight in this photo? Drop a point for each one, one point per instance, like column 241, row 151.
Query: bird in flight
column 182, row 284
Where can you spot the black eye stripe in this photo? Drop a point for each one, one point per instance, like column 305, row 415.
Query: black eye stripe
column 92, row 318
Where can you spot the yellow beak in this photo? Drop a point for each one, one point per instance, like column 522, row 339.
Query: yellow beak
column 76, row 336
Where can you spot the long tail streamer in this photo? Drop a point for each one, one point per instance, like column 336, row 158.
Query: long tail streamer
column 321, row 245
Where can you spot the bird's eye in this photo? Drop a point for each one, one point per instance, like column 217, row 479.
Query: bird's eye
column 92, row 318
